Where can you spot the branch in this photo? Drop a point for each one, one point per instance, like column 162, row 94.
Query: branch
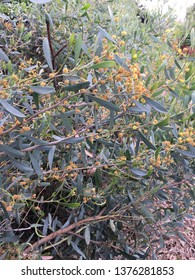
column 65, row 230
column 59, row 51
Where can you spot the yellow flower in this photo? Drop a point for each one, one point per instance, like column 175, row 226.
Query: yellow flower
column 122, row 43
column 9, row 208
column 15, row 77
column 155, row 122
column 123, row 33
column 134, row 56
column 52, row 75
column 179, row 51
column 65, row 70
column 42, row 84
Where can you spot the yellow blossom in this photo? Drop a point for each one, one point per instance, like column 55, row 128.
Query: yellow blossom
column 123, row 33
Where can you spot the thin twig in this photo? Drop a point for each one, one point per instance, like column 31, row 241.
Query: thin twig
column 59, row 51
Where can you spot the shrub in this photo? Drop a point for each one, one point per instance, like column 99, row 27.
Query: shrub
column 97, row 117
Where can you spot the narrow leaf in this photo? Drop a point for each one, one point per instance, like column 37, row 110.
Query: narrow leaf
column 104, row 64
column 87, row 235
column 155, row 105
column 146, row 141
column 163, row 122
column 42, row 90
column 186, row 153
column 155, row 39
column 24, row 167
column 47, row 53
column 74, row 140
column 11, row 109
column 36, row 165
column 40, row 1
column 66, row 123
column 139, row 172
column 51, row 156
column 177, row 64
column 121, row 62
column 3, row 56
column 11, row 151
column 161, row 67
column 78, row 46
column 174, row 93
column 111, row 15
column 144, row 211
column 105, row 34
column 105, row 103
column 76, row 248
column 36, row 99
column 77, row 87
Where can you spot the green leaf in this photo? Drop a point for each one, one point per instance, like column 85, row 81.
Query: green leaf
column 47, row 53
column 104, row 64
column 164, row 121
column 161, row 67
column 111, row 15
column 11, row 152
column 172, row 73
column 76, row 248
column 146, row 141
column 72, row 78
column 145, row 212
column 51, row 156
column 43, row 90
column 174, row 93
column 87, row 235
column 156, row 93
column 121, row 62
column 111, row 119
column 35, row 164
column 157, row 152
column 148, row 80
column 105, row 34
column 74, row 140
column 36, row 99
column 78, row 86
column 73, row 205
column 40, row 1
column 11, row 109
column 169, row 44
column 105, row 103
column 186, row 153
column 155, row 39
column 49, row 19
column 155, row 105
column 24, row 167
column 177, row 64
column 78, row 46
column 66, row 123
column 3, row 56
column 86, row 7
column 139, row 172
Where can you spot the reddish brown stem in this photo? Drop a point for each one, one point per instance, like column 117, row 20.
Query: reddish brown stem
column 59, row 51
column 65, row 230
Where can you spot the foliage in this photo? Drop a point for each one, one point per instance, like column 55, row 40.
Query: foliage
column 97, row 125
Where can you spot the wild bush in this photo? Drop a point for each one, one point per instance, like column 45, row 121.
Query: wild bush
column 97, row 130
